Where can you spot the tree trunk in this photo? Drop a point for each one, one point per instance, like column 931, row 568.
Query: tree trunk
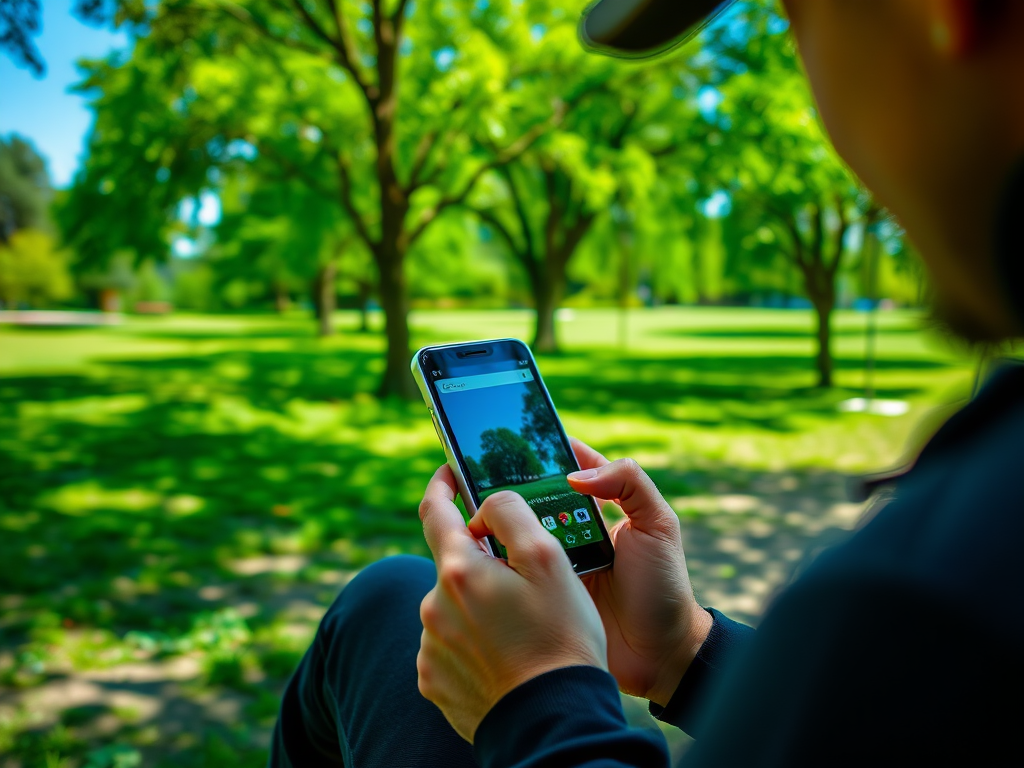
column 549, row 295
column 281, row 299
column 823, row 307
column 394, row 299
column 365, row 291
column 324, row 297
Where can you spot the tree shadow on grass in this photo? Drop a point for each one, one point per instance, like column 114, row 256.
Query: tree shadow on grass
column 707, row 391
column 229, row 334
column 129, row 497
column 191, row 470
column 845, row 331
column 267, row 379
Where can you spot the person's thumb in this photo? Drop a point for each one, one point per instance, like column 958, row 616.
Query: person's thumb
column 624, row 482
column 531, row 548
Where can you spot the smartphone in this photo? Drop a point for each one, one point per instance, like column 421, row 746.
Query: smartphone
column 500, row 431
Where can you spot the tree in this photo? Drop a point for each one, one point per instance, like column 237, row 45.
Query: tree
column 508, row 458
column 25, row 191
column 541, row 430
column 392, row 110
column 283, row 234
column 477, row 473
column 790, row 191
column 543, row 205
column 20, row 20
column 32, row 270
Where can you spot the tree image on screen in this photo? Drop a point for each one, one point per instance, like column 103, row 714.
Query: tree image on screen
column 477, row 473
column 540, row 428
column 508, row 458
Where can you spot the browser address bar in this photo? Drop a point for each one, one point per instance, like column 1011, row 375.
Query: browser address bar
column 466, row 383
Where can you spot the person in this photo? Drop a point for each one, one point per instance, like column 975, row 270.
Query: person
column 901, row 646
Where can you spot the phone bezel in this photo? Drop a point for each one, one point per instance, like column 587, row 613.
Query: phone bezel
column 585, row 559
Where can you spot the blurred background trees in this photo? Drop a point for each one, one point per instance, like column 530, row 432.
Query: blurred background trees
column 25, row 192
column 281, row 155
column 34, row 270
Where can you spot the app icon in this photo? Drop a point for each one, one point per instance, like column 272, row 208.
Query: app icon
column 570, row 538
column 586, row 534
column 549, row 522
column 564, row 519
column 582, row 515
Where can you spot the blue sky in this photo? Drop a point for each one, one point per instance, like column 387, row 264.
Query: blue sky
column 473, row 412
column 42, row 110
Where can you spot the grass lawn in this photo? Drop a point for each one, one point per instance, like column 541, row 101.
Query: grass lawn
column 181, row 497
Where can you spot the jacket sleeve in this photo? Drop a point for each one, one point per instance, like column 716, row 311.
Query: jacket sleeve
column 568, row 718
column 718, row 653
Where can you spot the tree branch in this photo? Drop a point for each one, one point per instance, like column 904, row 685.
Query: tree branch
column 345, row 183
column 313, row 25
column 259, row 25
column 520, row 209
column 399, row 14
column 491, row 219
column 574, row 235
column 419, row 160
column 817, row 236
column 840, row 235
column 525, row 255
column 789, row 223
column 503, row 157
column 346, row 51
column 512, row 152
column 620, row 135
column 293, row 169
column 551, row 221
column 425, row 150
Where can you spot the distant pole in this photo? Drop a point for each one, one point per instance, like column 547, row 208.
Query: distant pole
column 869, row 362
column 871, row 250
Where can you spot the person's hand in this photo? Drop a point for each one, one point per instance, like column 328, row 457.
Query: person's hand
column 654, row 625
column 488, row 625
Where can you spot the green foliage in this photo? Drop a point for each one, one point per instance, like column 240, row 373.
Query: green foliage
column 116, row 756
column 448, row 263
column 194, row 287
column 33, row 271
column 118, row 272
column 507, row 457
column 151, row 283
column 391, row 117
column 346, row 156
column 25, row 192
column 551, row 202
column 540, row 428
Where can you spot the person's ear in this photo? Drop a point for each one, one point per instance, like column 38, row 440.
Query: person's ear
column 955, row 26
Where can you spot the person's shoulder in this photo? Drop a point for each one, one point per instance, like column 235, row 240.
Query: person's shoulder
column 975, row 482
column 956, row 521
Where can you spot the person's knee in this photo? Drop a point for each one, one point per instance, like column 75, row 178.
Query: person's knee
column 391, row 584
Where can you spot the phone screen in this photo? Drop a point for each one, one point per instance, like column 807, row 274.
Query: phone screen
column 509, row 438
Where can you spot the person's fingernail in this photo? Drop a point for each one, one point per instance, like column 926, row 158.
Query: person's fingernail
column 583, row 474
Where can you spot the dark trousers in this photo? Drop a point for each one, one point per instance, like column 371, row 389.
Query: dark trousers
column 353, row 700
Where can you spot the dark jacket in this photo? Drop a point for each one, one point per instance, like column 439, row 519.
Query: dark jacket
column 902, row 646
